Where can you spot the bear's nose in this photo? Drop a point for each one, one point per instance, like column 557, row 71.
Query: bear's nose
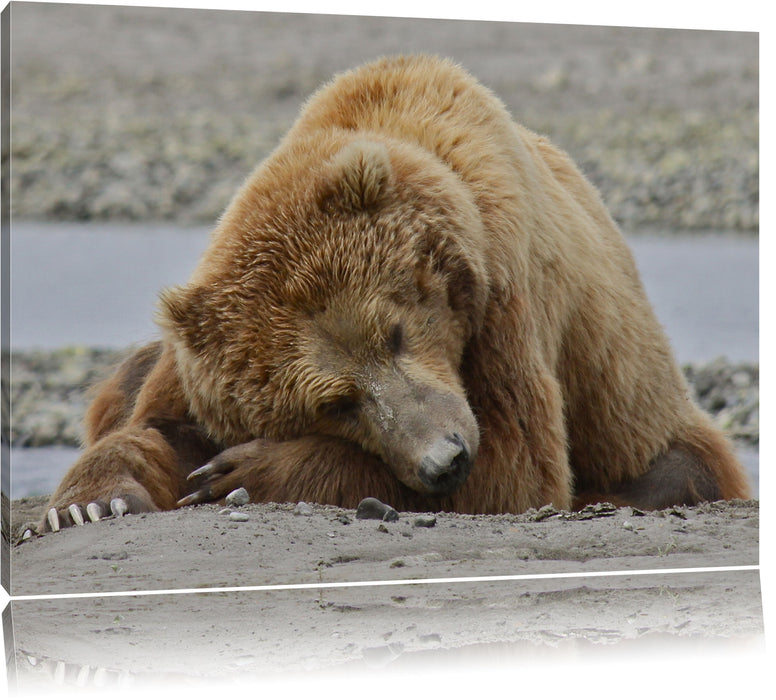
column 446, row 465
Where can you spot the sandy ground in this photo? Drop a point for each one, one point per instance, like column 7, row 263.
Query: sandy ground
column 201, row 547
column 469, row 589
column 384, row 630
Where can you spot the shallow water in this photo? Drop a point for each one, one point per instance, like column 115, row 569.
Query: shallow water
column 705, row 291
column 37, row 471
column 94, row 284
column 97, row 284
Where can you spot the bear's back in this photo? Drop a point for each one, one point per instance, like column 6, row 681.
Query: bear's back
column 425, row 100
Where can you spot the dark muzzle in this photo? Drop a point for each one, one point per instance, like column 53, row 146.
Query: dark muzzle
column 446, row 465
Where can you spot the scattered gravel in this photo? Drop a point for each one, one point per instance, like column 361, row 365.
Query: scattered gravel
column 731, row 393
column 156, row 114
column 49, row 394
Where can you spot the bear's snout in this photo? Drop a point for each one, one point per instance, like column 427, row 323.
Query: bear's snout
column 446, row 465
column 424, row 431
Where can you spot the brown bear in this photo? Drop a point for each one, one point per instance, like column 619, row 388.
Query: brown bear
column 412, row 298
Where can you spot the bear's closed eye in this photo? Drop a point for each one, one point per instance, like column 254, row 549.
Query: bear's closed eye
column 342, row 407
column 396, row 339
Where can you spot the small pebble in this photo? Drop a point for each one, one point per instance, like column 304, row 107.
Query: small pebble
column 372, row 509
column 303, row 508
column 238, row 497
column 425, row 521
column 605, row 508
column 225, row 511
column 545, row 512
column 238, row 517
column 627, row 525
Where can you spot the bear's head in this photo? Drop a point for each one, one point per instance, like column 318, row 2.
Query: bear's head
column 337, row 297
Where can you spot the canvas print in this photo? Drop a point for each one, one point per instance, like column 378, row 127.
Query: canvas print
column 298, row 301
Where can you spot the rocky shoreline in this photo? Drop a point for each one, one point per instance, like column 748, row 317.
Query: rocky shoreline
column 49, row 391
column 156, row 114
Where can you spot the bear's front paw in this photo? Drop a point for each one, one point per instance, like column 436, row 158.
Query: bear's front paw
column 77, row 514
column 219, row 478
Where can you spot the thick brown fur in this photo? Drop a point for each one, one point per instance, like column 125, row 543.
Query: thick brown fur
column 411, row 289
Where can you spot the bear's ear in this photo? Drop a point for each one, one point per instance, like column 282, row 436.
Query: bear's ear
column 179, row 313
column 359, row 177
column 172, row 307
column 463, row 276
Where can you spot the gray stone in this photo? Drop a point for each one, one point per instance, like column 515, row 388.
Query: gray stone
column 372, row 509
column 424, row 521
column 238, row 497
column 303, row 508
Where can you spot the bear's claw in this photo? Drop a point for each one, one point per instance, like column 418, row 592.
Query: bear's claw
column 202, row 496
column 211, row 469
column 118, row 506
column 53, row 519
column 76, row 514
column 94, row 511
column 215, row 486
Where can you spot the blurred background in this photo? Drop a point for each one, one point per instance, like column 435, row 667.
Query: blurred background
column 127, row 113
column 132, row 128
